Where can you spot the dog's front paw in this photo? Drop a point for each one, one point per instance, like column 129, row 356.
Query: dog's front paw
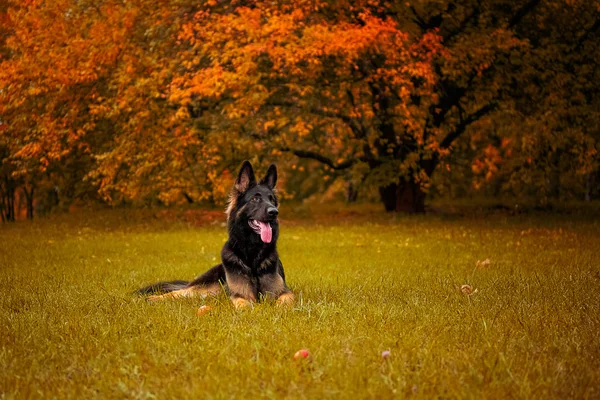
column 285, row 299
column 239, row 302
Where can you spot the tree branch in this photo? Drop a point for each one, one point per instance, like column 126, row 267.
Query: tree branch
column 356, row 129
column 321, row 158
column 363, row 129
column 417, row 19
column 465, row 22
column 451, row 96
column 464, row 123
column 522, row 12
column 433, row 22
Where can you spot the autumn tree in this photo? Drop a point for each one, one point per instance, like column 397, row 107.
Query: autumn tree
column 160, row 100
column 384, row 88
column 559, row 103
column 84, row 108
column 545, row 145
column 48, row 82
column 332, row 82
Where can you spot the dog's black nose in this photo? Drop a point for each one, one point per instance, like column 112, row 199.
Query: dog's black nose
column 272, row 212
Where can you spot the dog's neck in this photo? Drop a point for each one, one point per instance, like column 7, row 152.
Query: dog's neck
column 249, row 247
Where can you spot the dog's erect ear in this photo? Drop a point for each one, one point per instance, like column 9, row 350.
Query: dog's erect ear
column 245, row 178
column 270, row 178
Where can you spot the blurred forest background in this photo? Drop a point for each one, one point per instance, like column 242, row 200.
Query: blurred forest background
column 139, row 102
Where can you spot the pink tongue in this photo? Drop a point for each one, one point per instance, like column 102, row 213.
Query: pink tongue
column 266, row 234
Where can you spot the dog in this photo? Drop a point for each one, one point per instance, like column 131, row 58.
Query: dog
column 250, row 269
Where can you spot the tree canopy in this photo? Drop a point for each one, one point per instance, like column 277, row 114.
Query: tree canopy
column 161, row 100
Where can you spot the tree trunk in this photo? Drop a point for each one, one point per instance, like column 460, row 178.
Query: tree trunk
column 29, row 200
column 555, row 176
column 188, row 198
column 588, row 187
column 2, row 206
column 7, row 191
column 10, row 212
column 351, row 192
column 410, row 198
column 388, row 196
column 405, row 196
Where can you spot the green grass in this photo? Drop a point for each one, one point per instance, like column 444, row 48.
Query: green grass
column 365, row 283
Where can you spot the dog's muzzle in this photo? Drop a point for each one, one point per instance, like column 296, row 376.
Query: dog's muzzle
column 272, row 212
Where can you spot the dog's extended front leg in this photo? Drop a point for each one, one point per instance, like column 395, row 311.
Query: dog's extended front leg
column 191, row 291
column 242, row 289
column 240, row 280
column 273, row 285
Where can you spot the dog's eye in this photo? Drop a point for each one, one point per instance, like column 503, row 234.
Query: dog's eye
column 256, row 198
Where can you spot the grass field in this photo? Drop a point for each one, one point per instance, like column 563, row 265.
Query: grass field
column 366, row 282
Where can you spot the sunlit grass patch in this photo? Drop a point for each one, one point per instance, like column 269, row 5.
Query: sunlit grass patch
column 365, row 284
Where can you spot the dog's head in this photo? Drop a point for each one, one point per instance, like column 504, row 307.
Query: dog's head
column 254, row 204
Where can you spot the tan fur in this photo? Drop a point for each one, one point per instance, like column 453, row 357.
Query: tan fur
column 239, row 286
column 231, row 203
column 238, row 302
column 286, row 299
column 240, row 211
column 194, row 291
column 273, row 283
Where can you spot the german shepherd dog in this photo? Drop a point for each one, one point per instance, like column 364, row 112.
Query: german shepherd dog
column 250, row 268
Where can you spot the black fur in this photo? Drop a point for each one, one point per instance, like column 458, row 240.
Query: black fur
column 250, row 268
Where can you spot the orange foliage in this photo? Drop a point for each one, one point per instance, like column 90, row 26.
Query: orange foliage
column 161, row 99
